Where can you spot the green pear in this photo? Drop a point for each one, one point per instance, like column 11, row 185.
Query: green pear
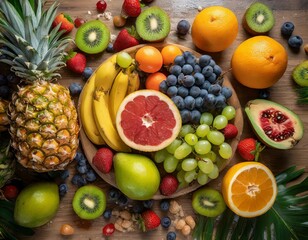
column 37, row 204
column 136, row 175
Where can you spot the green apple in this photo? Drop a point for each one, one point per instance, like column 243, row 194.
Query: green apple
column 136, row 175
column 37, row 204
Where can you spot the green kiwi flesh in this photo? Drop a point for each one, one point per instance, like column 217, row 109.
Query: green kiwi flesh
column 89, row 202
column 258, row 19
column 208, row 202
column 153, row 24
column 92, row 37
column 300, row 74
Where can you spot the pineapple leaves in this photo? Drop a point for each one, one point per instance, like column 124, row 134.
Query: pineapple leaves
column 287, row 219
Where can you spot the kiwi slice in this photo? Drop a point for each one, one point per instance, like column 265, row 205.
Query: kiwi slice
column 153, row 24
column 300, row 74
column 258, row 19
column 208, row 202
column 92, row 37
column 89, row 202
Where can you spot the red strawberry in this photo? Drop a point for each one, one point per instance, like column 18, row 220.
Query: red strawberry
column 76, row 62
column 169, row 184
column 66, row 22
column 249, row 149
column 102, row 160
column 149, row 220
column 125, row 39
column 131, row 8
column 230, row 131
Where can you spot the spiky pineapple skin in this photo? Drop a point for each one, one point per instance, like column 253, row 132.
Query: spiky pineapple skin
column 43, row 126
column 4, row 119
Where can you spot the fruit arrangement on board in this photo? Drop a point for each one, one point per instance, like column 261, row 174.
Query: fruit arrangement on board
column 155, row 120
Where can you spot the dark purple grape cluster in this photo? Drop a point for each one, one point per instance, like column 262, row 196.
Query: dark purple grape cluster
column 195, row 86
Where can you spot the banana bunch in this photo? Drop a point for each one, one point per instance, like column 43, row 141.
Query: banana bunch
column 100, row 101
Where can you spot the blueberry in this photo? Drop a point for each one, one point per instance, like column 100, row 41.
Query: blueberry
column 64, row 174
column 189, row 102
column 199, row 78
column 90, row 176
column 287, row 29
column 179, row 60
column 163, row 86
column 183, row 91
column 164, row 205
column 183, row 27
column 214, row 89
column 188, row 81
column 206, row 85
column 204, row 60
column 187, row 69
column 203, row 93
column 172, row 91
column 165, row 222
column 264, row 93
column 63, row 189
column 109, row 48
column 199, row 102
column 75, row 89
column 295, row 42
column 194, row 91
column 87, row 72
column 178, row 101
column 114, row 194
column 209, row 100
column 122, row 200
column 185, row 115
column 137, row 208
column 107, row 214
column 82, row 169
column 195, row 116
column 189, row 58
column 181, row 78
column 197, row 68
column 227, row 92
column 217, row 70
column 78, row 180
column 212, row 63
column 212, row 78
column 176, row 70
column 220, row 101
column 171, row 80
column 78, row 156
column 3, row 80
column 171, row 236
column 148, row 203
column 207, row 71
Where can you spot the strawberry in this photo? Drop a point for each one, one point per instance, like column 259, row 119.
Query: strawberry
column 125, row 39
column 67, row 23
column 76, row 62
column 230, row 131
column 249, row 149
column 131, row 8
column 169, row 184
column 149, row 220
column 102, row 160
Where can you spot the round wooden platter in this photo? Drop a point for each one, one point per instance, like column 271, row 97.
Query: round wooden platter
column 90, row 149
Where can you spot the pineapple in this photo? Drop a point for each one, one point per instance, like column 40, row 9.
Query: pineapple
column 43, row 118
column 7, row 162
column 4, row 119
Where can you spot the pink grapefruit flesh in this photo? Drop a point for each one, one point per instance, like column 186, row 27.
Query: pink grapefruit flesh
column 148, row 120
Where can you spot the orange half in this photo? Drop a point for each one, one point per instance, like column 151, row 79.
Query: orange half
column 249, row 189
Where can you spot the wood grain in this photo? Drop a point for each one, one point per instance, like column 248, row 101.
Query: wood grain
column 282, row 92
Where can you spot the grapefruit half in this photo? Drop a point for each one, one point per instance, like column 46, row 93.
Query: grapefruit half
column 148, row 120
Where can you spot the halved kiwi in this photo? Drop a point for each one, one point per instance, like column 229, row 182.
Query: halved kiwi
column 208, row 202
column 89, row 202
column 300, row 74
column 153, row 24
column 92, row 37
column 258, row 19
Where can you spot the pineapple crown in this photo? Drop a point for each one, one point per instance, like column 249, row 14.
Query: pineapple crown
column 33, row 49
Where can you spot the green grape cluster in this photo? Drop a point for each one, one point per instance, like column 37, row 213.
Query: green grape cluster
column 194, row 154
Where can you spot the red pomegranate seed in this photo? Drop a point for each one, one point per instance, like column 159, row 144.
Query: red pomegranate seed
column 78, row 22
column 101, row 6
column 109, row 229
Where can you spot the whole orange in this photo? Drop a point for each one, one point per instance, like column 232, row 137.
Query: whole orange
column 169, row 53
column 149, row 59
column 154, row 79
column 214, row 29
column 259, row 62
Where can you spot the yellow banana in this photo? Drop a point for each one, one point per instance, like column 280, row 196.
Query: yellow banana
column 133, row 81
column 104, row 122
column 106, row 73
column 117, row 94
column 86, row 114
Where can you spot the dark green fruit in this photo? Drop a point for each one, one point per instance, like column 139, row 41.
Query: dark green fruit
column 89, row 202
column 153, row 24
column 208, row 202
column 275, row 125
column 258, row 19
column 300, row 74
column 92, row 37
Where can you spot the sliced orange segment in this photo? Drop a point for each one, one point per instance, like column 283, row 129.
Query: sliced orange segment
column 249, row 189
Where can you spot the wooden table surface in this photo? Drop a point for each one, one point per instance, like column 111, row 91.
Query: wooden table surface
column 282, row 92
